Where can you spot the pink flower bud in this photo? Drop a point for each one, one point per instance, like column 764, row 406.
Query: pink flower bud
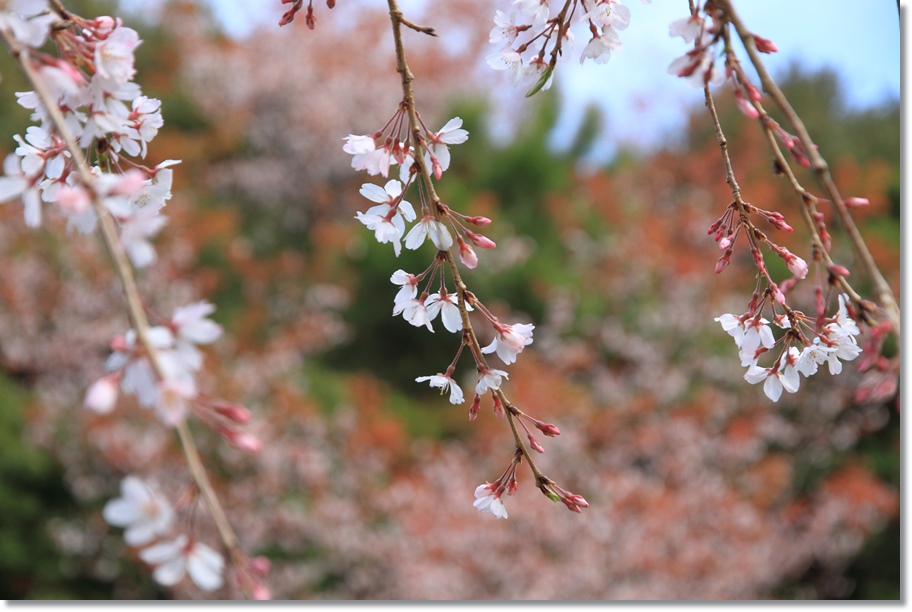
column 102, row 394
column 535, row 444
column 745, row 106
column 723, row 262
column 498, row 408
column 764, row 45
column 234, row 412
column 466, row 255
column 310, row 19
column 548, row 429
column 796, row 265
column 243, row 441
column 753, row 92
column 578, row 500
column 476, row 406
column 725, row 243
column 838, row 270
column 854, row 202
column 261, row 592
column 481, row 241
column 777, row 293
column 260, row 566
column 103, row 25
column 788, row 284
column 438, row 169
column 479, row 221
column 330, row 4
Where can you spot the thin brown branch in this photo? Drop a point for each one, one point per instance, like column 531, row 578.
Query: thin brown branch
column 436, row 206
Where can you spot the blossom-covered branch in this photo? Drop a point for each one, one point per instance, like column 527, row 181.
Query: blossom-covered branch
column 819, row 338
column 80, row 102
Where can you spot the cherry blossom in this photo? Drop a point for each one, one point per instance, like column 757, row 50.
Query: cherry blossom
column 179, row 556
column 811, row 358
column 843, row 347
column 114, row 55
column 141, row 510
column 608, row 14
column 25, row 20
column 415, row 312
column 444, row 382
column 783, row 376
column 101, row 395
column 408, row 289
column 429, row 227
column 173, row 400
column 600, row 46
column 537, row 9
column 135, row 235
column 487, row 499
column 688, row 28
column 490, row 379
column 505, row 30
column 447, row 304
column 17, row 184
column 451, row 133
column 509, row 340
column 508, row 60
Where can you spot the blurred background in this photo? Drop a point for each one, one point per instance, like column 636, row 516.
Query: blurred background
column 600, row 191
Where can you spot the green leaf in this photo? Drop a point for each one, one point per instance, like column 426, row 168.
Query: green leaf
column 541, row 82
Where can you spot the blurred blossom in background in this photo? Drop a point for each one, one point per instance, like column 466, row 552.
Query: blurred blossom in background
column 601, row 192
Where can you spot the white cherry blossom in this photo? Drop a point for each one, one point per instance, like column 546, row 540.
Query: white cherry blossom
column 508, row 60
column 24, row 19
column 429, row 227
column 505, row 30
column 179, row 556
column 490, row 379
column 444, row 382
column 509, row 340
column 450, row 134
column 487, row 500
column 447, row 305
column 785, row 376
column 141, row 510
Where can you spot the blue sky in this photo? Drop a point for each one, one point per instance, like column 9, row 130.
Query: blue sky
column 644, row 104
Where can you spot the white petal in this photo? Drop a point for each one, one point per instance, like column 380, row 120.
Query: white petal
column 121, row 512
column 773, row 388
column 163, row 552
column 374, row 193
column 170, row 573
column 205, row 567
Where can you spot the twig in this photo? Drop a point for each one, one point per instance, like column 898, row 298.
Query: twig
column 409, row 99
column 882, row 290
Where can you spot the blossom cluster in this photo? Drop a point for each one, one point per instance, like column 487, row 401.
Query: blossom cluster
column 754, row 337
column 148, row 518
column 534, row 29
column 425, row 296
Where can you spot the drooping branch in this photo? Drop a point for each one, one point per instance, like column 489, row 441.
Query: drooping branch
column 884, row 294
column 124, row 272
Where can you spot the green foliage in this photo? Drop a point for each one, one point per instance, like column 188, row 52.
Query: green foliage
column 32, row 497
